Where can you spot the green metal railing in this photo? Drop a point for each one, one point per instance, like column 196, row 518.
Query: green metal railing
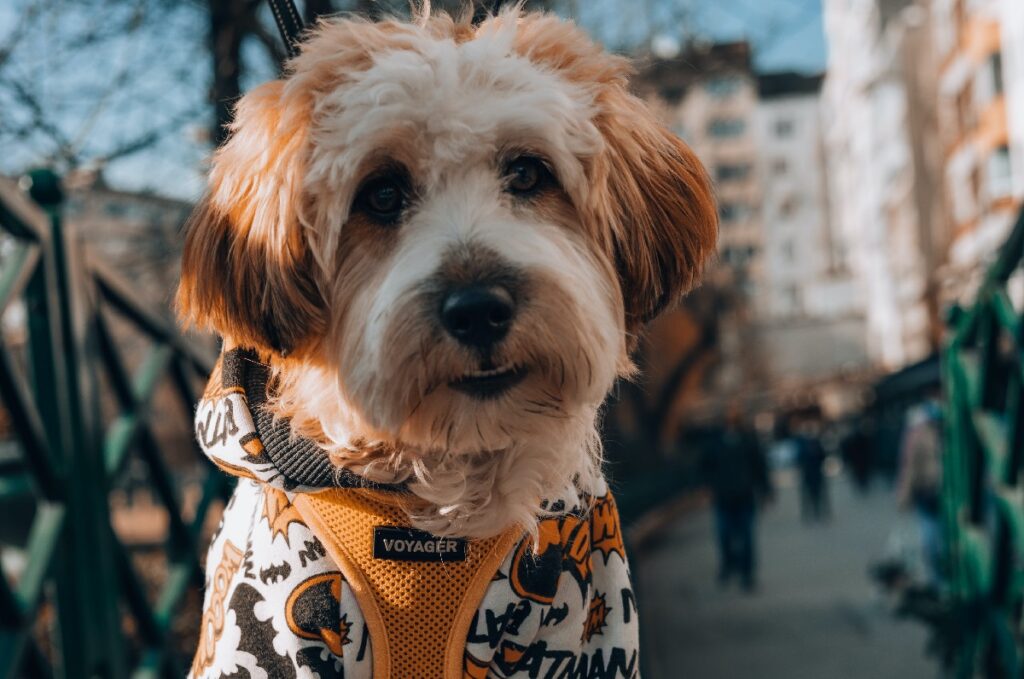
column 983, row 498
column 73, row 600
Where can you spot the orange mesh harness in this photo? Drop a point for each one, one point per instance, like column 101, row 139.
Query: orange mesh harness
column 418, row 612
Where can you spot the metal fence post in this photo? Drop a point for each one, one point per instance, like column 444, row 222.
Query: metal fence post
column 92, row 642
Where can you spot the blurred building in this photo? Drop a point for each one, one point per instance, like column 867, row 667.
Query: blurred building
column 924, row 103
column 980, row 50
column 789, row 311
column 874, row 117
column 708, row 96
column 810, row 314
column 1012, row 34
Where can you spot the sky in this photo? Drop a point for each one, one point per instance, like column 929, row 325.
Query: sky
column 786, row 34
column 790, row 36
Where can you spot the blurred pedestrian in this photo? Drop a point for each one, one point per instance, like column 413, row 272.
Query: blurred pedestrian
column 737, row 474
column 920, row 480
column 810, row 459
column 858, row 450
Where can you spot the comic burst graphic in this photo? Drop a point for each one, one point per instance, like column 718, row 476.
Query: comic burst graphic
column 597, row 617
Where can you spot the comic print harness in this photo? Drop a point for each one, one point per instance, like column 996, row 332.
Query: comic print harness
column 314, row 571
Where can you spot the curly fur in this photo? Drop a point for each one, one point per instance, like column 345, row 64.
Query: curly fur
column 277, row 259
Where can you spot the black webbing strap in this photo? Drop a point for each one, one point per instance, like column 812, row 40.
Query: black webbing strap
column 486, row 9
column 288, row 22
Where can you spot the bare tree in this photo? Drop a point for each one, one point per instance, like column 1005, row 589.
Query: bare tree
column 72, row 75
column 234, row 21
column 97, row 81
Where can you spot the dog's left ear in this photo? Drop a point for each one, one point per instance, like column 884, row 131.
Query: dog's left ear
column 659, row 203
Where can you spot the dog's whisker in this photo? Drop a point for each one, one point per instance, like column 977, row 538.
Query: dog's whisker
column 553, row 397
column 448, row 436
column 545, row 413
column 543, row 404
column 416, row 407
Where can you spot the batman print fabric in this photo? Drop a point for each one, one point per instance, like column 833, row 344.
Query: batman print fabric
column 312, row 574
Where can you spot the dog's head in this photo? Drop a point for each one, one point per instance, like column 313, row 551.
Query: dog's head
column 448, row 236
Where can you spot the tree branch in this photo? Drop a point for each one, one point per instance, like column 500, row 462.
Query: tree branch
column 18, row 32
column 270, row 40
column 41, row 122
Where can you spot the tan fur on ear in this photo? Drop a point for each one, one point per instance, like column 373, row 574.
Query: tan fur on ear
column 650, row 194
column 246, row 271
column 660, row 203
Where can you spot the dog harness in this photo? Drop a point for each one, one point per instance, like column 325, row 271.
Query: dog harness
column 315, row 572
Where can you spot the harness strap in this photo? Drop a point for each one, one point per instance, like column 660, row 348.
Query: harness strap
column 417, row 593
column 289, row 23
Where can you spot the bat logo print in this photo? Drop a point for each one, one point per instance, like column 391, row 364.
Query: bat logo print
column 275, row 573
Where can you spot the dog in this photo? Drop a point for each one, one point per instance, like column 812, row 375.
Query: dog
column 429, row 251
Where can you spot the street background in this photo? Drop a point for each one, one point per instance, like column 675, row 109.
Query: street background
column 868, row 160
column 817, row 614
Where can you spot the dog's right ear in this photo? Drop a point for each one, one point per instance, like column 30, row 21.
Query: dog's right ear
column 247, row 271
column 648, row 189
column 659, row 203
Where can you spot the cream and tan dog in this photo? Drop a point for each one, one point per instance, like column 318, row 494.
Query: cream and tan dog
column 441, row 240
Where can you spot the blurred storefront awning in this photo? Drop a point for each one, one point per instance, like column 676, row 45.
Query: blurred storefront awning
column 911, row 383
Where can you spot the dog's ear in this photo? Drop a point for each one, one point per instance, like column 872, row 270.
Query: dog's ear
column 651, row 197
column 246, row 270
column 658, row 200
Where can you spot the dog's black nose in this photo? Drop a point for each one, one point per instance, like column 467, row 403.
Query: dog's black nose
column 478, row 316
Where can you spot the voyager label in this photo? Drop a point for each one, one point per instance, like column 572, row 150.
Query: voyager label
column 392, row 543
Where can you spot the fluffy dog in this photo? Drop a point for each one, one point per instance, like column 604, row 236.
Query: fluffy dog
column 429, row 250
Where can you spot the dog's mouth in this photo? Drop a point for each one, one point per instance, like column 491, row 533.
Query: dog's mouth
column 489, row 383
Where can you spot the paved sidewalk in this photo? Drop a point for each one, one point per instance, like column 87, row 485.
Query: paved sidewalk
column 815, row 616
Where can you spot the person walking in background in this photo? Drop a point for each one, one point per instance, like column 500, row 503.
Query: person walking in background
column 920, row 480
column 810, row 459
column 736, row 472
column 859, row 452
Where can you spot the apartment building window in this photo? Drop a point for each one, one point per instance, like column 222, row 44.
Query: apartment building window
column 988, row 83
column 722, row 87
column 784, row 128
column 732, row 212
column 999, row 179
column 995, row 64
column 739, row 255
column 789, row 206
column 116, row 209
column 726, row 127
column 732, row 172
column 789, row 251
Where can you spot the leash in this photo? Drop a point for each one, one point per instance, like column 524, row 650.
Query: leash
column 289, row 23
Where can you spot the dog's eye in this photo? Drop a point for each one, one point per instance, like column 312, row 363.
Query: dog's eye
column 382, row 198
column 525, row 175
